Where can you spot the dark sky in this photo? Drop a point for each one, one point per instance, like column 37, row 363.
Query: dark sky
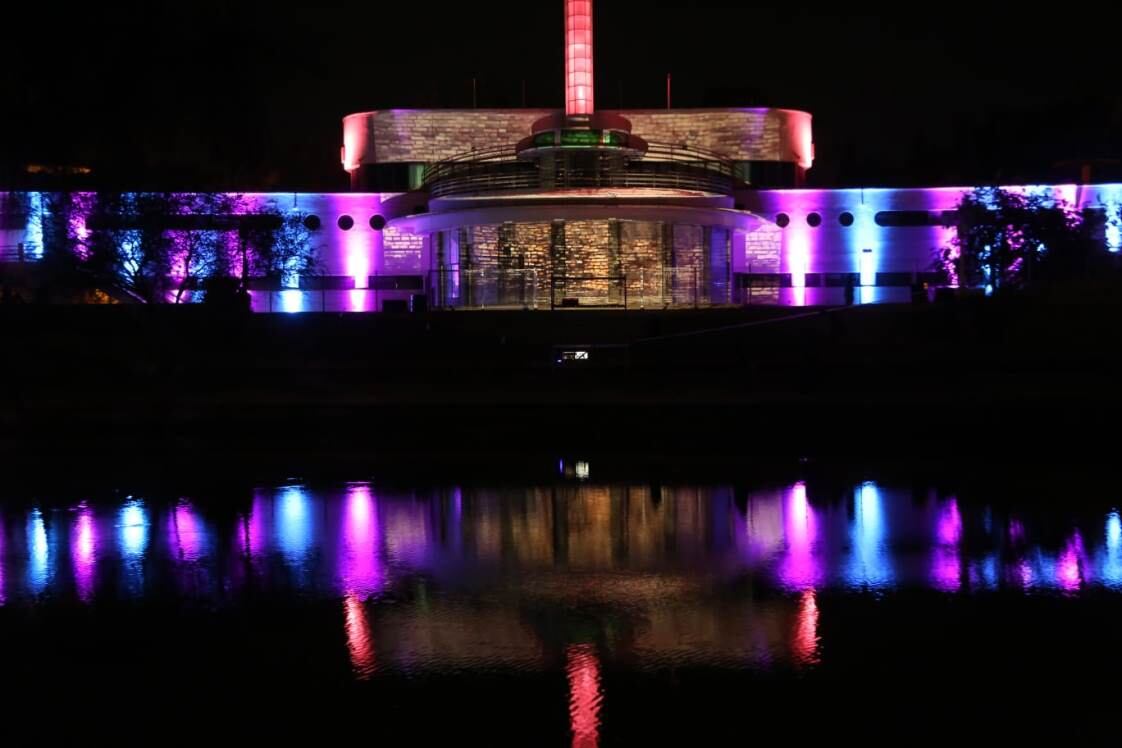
column 250, row 96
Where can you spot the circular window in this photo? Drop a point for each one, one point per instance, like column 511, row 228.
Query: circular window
column 346, row 223
column 312, row 223
column 378, row 223
column 783, row 220
column 846, row 219
column 814, row 220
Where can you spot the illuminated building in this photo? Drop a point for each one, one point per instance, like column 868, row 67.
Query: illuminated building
column 584, row 207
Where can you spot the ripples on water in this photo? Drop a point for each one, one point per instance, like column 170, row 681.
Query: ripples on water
column 574, row 577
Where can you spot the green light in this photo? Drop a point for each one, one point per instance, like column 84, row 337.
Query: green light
column 581, row 139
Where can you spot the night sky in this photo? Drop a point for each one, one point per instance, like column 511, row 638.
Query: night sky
column 207, row 95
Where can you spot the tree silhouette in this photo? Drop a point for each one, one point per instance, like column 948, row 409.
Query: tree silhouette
column 167, row 247
column 1014, row 239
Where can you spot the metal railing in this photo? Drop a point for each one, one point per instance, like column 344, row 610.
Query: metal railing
column 488, row 288
column 499, row 170
column 337, row 301
column 588, row 292
column 665, row 288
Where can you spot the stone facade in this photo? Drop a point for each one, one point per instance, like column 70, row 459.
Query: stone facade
column 762, row 255
column 402, row 252
column 645, row 254
column 736, row 134
column 763, row 250
column 427, row 136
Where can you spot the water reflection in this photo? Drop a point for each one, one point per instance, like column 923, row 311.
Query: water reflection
column 871, row 564
column 83, row 552
column 583, row 670
column 253, row 536
column 132, row 535
column 804, row 642
column 360, row 641
column 39, row 565
column 294, row 524
column 1071, row 564
column 511, row 577
column 947, row 572
column 360, row 562
column 800, row 568
column 1112, row 562
column 186, row 533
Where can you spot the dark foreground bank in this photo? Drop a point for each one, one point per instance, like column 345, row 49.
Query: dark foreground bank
column 894, row 378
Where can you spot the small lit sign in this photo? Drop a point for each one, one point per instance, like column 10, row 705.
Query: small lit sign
column 580, row 139
column 574, row 356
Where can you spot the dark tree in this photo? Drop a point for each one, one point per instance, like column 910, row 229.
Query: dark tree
column 1011, row 240
column 164, row 247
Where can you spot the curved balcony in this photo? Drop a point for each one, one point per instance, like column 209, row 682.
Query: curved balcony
column 501, row 171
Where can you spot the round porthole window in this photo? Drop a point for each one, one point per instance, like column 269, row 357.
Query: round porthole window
column 312, row 223
column 378, row 223
column 814, row 220
column 346, row 223
column 846, row 219
column 783, row 220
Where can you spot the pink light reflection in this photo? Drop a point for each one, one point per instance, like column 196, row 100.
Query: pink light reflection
column 83, row 552
column 185, row 532
column 1069, row 567
column 361, row 570
column 947, row 565
column 360, row 642
column 585, row 698
column 804, row 644
column 799, row 568
column 950, row 524
column 947, row 572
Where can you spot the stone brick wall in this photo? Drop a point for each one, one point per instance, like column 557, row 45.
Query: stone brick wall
column 481, row 249
column 758, row 252
column 762, row 250
column 591, row 252
column 426, row 136
column 737, row 134
column 402, row 252
column 688, row 260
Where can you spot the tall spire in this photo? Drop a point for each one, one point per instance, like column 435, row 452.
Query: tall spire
column 579, row 95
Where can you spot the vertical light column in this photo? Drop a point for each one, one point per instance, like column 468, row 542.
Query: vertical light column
column 579, row 99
